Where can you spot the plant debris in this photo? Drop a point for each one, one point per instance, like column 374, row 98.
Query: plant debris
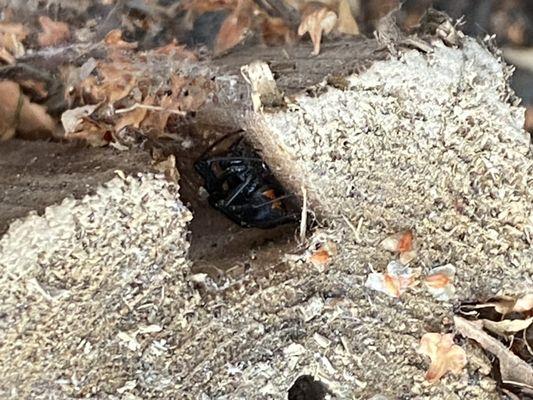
column 402, row 243
column 439, row 282
column 394, row 282
column 444, row 354
column 513, row 370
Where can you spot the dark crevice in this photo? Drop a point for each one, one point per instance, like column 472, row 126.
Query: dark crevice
column 307, row 388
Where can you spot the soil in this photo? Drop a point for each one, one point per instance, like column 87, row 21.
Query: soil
column 34, row 175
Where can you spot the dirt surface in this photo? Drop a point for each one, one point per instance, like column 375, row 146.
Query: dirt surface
column 34, row 175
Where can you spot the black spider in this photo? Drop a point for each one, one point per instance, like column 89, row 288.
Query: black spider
column 241, row 186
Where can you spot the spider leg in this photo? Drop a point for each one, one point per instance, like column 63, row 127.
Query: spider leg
column 259, row 220
column 238, row 190
column 286, row 196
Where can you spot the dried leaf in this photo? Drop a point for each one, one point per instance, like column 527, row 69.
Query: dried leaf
column 316, row 18
column 507, row 327
column 403, row 243
column 113, row 41
column 444, row 354
column 17, row 29
column 346, row 23
column 407, row 257
column 6, row 56
column 20, row 116
column 394, row 282
column 53, row 32
column 156, row 121
column 11, row 37
column 439, row 282
column 276, row 32
column 234, row 28
column 117, row 81
column 524, row 304
column 399, row 242
column 94, row 133
column 174, row 49
column 513, row 369
column 72, row 119
column 320, row 257
column 168, row 167
column 132, row 118
column 506, row 305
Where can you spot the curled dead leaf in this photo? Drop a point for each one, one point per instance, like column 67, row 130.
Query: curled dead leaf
column 73, row 118
column 317, row 18
column 513, row 369
column 507, row 327
column 346, row 23
column 174, row 49
column 114, row 41
column 92, row 132
column 445, row 356
column 22, row 117
column 168, row 167
column 235, row 27
column 507, row 304
column 53, row 32
column 276, row 32
column 11, row 37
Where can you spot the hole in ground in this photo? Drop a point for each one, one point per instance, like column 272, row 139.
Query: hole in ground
column 307, row 388
column 217, row 243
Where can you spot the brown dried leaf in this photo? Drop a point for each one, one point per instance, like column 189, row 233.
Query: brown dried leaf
column 113, row 41
column 20, row 116
column 134, row 117
column 117, row 81
column 174, row 49
column 513, row 369
column 11, row 37
column 320, row 257
column 444, row 354
column 53, row 32
column 276, row 32
column 156, row 121
column 316, row 18
column 234, row 28
column 94, row 133
column 6, row 56
column 168, row 167
column 346, row 23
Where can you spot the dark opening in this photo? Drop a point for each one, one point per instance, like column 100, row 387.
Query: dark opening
column 216, row 241
column 307, row 388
